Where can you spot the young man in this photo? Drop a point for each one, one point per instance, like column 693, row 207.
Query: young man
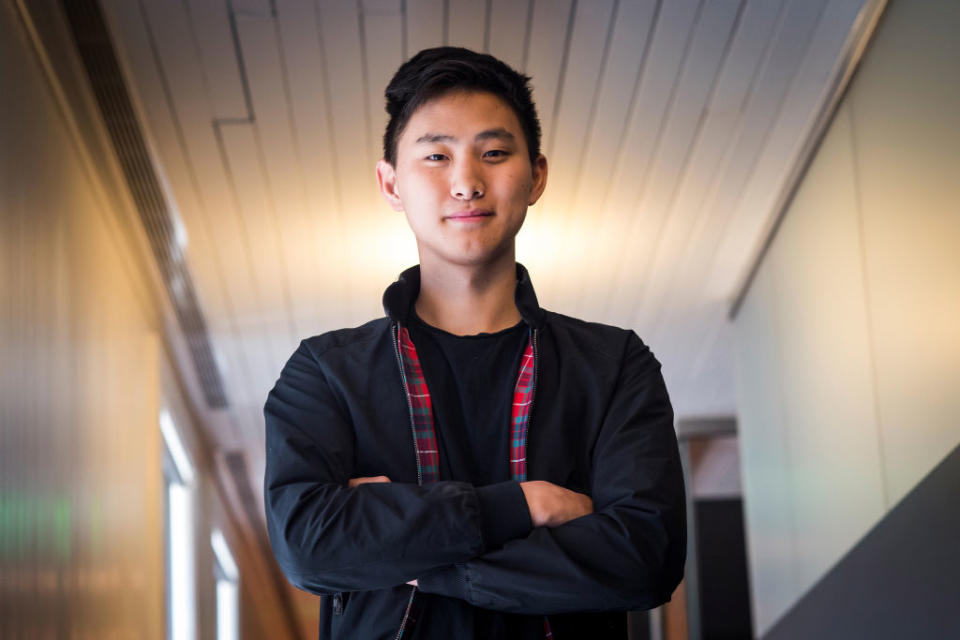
column 472, row 465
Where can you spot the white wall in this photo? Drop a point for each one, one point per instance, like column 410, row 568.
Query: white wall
column 848, row 340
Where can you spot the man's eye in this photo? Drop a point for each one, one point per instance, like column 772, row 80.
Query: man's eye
column 495, row 153
column 435, row 157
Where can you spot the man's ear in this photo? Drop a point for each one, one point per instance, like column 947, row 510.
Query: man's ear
column 539, row 179
column 387, row 182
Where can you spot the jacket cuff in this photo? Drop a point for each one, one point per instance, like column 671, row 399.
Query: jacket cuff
column 504, row 514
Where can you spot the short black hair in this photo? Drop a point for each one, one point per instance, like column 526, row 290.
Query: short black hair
column 433, row 72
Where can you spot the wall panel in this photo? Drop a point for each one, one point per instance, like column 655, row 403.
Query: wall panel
column 86, row 372
column 81, row 493
column 848, row 341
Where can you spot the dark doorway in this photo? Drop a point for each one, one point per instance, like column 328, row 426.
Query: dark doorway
column 722, row 562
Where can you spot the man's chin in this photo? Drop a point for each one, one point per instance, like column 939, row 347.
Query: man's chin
column 472, row 257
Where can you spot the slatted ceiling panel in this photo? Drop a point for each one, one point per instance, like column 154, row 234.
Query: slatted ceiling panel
column 790, row 43
column 700, row 186
column 466, row 23
column 507, row 32
column 788, row 46
column 383, row 31
column 592, row 150
column 806, row 93
column 343, row 65
column 724, row 113
column 550, row 24
column 625, row 66
column 310, row 100
column 732, row 175
column 340, row 35
column 217, row 46
column 654, row 97
column 251, row 8
column 660, row 237
column 634, row 22
column 244, row 163
column 573, row 119
column 733, row 171
column 425, row 25
column 177, row 56
column 157, row 93
column 546, row 53
column 664, row 60
column 284, row 181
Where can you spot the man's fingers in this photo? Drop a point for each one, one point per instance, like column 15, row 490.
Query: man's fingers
column 357, row 481
column 552, row 505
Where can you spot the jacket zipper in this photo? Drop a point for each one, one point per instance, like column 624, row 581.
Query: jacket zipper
column 548, row 630
column 406, row 615
column 395, row 334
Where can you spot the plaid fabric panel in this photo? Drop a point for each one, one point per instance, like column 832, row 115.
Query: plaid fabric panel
column 522, row 401
column 522, row 397
column 428, row 454
column 426, row 439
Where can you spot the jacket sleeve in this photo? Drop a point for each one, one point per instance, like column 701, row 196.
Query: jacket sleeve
column 629, row 553
column 328, row 537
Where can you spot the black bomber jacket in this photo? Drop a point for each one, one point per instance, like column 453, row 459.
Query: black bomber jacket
column 601, row 424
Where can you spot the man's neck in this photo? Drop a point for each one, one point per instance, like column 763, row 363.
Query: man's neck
column 468, row 300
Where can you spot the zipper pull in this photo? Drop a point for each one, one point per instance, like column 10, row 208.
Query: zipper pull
column 337, row 604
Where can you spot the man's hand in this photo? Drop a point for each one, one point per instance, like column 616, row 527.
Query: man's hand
column 551, row 505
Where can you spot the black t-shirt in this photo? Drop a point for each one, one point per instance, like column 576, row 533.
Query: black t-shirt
column 471, row 381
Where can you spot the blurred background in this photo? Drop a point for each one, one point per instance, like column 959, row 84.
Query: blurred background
column 765, row 190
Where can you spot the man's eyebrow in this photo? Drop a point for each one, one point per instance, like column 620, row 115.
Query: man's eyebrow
column 435, row 137
column 498, row 134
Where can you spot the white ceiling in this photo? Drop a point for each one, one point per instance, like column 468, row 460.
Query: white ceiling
column 670, row 128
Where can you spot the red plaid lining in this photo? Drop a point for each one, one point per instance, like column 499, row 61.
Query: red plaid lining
column 421, row 412
column 520, row 415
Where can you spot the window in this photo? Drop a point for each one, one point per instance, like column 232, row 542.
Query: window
column 225, row 571
column 178, row 479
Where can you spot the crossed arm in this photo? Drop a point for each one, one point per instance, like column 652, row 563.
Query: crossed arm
column 550, row 505
column 620, row 548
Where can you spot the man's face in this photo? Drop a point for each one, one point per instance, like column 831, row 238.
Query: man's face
column 463, row 177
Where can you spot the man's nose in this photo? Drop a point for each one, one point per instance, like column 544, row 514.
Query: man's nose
column 467, row 182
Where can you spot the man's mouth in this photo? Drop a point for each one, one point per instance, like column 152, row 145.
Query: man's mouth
column 473, row 214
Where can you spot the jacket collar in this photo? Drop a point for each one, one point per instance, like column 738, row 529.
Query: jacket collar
column 399, row 297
